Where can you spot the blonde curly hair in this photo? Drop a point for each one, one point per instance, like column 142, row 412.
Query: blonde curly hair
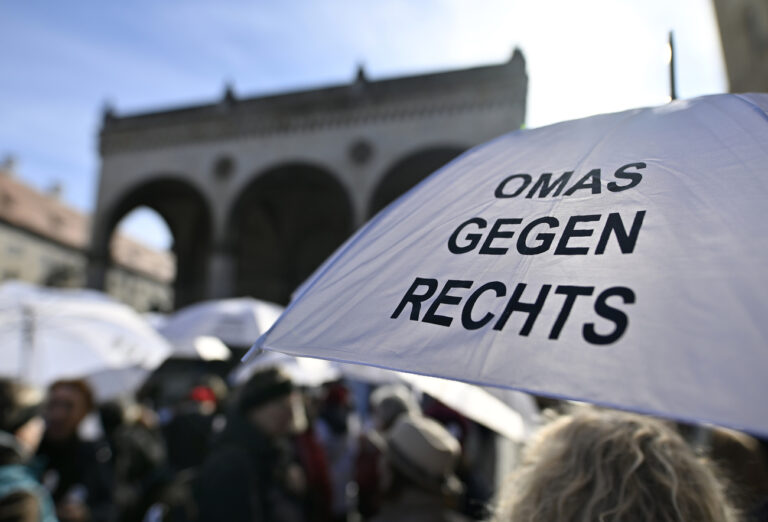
column 608, row 466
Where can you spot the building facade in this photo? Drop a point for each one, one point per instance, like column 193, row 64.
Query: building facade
column 45, row 242
column 744, row 34
column 258, row 192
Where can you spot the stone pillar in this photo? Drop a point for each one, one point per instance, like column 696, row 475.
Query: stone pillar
column 221, row 274
column 96, row 272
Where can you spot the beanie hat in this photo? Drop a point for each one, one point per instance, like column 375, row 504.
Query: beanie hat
column 264, row 386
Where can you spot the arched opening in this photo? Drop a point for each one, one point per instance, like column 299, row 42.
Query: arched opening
column 185, row 213
column 407, row 172
column 283, row 226
column 143, row 266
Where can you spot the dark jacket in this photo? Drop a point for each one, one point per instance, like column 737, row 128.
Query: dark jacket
column 80, row 469
column 414, row 505
column 247, row 477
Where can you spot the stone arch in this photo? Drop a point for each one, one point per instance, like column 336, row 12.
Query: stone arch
column 284, row 224
column 407, row 172
column 186, row 212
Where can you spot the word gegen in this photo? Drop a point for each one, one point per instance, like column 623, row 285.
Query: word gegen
column 474, row 234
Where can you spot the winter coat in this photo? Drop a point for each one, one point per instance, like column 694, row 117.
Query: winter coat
column 247, row 478
column 82, row 470
column 414, row 505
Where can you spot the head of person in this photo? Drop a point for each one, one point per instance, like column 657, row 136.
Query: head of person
column 390, row 401
column 270, row 402
column 418, row 453
column 68, row 402
column 20, row 414
column 612, row 466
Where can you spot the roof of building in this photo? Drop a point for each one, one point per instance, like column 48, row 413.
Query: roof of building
column 360, row 100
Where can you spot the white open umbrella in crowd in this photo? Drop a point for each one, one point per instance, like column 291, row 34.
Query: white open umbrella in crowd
column 515, row 419
column 202, row 347
column 618, row 259
column 304, row 371
column 236, row 322
column 48, row 334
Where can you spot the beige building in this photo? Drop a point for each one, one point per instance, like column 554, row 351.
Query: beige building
column 44, row 241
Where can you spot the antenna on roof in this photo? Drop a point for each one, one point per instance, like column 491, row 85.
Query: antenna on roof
column 672, row 86
column 107, row 111
column 8, row 165
column 361, row 77
column 229, row 94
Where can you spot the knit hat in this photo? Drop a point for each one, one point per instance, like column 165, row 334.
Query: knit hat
column 264, row 386
column 18, row 405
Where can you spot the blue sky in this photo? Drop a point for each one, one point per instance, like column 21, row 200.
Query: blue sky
column 62, row 61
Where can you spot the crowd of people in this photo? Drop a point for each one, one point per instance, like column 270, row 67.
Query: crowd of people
column 269, row 450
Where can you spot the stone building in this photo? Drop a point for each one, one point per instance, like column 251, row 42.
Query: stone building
column 257, row 192
column 744, row 34
column 44, row 241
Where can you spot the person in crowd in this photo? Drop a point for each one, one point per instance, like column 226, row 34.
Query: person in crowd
column 77, row 472
column 338, row 434
column 613, row 466
column 388, row 402
column 189, row 431
column 478, row 482
column 251, row 473
column 22, row 497
column 312, row 457
column 138, row 454
column 417, row 472
column 741, row 458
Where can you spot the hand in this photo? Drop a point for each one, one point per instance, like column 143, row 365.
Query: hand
column 73, row 512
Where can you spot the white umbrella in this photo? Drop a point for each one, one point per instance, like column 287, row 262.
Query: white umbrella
column 202, row 347
column 474, row 403
column 471, row 401
column 236, row 322
column 155, row 319
column 48, row 334
column 303, row 371
column 618, row 259
column 115, row 383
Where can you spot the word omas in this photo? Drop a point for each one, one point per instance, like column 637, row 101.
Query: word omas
column 458, row 300
column 514, row 185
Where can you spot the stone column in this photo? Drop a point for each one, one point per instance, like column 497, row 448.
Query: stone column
column 221, row 274
column 96, row 272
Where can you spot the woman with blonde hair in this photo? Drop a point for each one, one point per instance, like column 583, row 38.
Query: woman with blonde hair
column 610, row 466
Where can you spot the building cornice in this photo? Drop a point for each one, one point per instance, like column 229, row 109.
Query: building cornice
column 359, row 103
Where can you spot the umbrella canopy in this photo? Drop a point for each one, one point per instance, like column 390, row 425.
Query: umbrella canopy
column 303, row 371
column 236, row 322
column 512, row 414
column 202, row 347
column 48, row 334
column 618, row 259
